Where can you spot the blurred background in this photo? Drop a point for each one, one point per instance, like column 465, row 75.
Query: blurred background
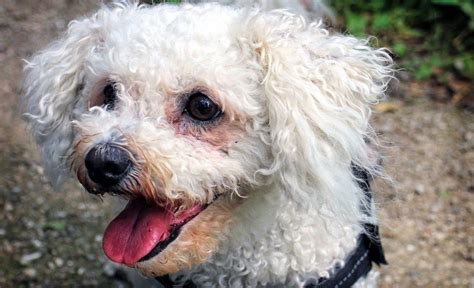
column 426, row 130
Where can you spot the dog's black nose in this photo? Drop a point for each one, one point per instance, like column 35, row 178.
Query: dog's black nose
column 107, row 164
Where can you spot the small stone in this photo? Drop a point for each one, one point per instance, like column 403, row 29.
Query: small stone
column 39, row 169
column 411, row 248
column 3, row 232
column 16, row 189
column 25, row 259
column 51, row 265
column 7, row 247
column 8, row 207
column 119, row 284
column 29, row 224
column 439, row 236
column 81, row 271
column 109, row 270
column 37, row 243
column 59, row 262
column 40, row 200
column 470, row 257
column 30, row 272
column 388, row 279
column 61, row 214
column 419, row 189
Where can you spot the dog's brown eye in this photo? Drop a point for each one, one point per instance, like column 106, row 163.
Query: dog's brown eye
column 201, row 108
column 110, row 96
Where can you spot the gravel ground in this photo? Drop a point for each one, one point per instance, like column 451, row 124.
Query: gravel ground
column 50, row 239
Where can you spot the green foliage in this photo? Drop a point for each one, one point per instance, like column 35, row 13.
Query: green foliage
column 57, row 225
column 399, row 48
column 357, row 24
column 465, row 64
column 427, row 37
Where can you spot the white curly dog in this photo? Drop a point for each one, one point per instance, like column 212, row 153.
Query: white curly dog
column 240, row 138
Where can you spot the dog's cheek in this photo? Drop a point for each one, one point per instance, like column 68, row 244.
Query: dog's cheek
column 223, row 136
column 198, row 240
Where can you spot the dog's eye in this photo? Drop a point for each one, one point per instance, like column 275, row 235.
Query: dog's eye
column 110, row 96
column 201, row 108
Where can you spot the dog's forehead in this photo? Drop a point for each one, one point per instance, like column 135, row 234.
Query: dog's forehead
column 171, row 49
column 171, row 33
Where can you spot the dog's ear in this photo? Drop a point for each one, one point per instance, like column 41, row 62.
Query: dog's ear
column 53, row 79
column 318, row 88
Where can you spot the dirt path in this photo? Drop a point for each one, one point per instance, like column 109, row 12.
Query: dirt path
column 427, row 212
column 52, row 238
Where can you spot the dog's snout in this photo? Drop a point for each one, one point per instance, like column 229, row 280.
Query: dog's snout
column 107, row 164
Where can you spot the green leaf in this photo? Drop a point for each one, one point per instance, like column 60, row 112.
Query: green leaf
column 56, row 225
column 465, row 65
column 381, row 22
column 356, row 24
column 400, row 49
column 376, row 5
column 423, row 71
column 446, row 2
column 436, row 61
column 444, row 194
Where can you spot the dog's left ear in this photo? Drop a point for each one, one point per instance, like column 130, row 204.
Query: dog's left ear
column 53, row 79
column 318, row 88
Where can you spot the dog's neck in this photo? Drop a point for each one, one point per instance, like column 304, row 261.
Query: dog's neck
column 275, row 240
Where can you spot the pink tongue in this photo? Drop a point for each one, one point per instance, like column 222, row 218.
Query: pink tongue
column 138, row 229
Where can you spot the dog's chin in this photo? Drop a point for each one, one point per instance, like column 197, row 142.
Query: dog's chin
column 157, row 241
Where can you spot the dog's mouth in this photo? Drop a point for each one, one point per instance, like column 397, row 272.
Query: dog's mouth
column 142, row 230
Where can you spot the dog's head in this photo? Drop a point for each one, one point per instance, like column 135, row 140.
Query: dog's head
column 188, row 110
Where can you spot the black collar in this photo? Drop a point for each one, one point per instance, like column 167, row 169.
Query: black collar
column 357, row 264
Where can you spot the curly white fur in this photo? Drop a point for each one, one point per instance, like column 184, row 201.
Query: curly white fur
column 300, row 95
